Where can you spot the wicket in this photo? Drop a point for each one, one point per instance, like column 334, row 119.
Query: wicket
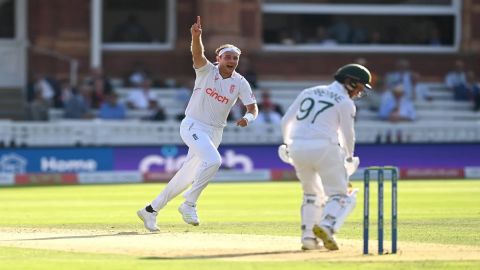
column 380, row 179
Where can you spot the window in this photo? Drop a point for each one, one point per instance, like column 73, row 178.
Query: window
column 7, row 19
column 362, row 25
column 383, row 2
column 137, row 25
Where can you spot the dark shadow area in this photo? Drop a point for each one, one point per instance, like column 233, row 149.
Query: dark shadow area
column 80, row 236
column 221, row 256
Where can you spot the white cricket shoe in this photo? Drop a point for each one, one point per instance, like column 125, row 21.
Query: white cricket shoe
column 326, row 235
column 189, row 214
column 149, row 219
column 310, row 244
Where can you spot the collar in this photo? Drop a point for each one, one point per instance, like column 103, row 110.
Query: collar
column 339, row 88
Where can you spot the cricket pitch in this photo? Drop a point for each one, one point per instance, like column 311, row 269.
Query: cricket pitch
column 234, row 247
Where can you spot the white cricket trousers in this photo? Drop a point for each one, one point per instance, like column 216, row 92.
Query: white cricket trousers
column 319, row 165
column 202, row 162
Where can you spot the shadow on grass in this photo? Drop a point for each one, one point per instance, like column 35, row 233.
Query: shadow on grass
column 80, row 236
column 220, row 256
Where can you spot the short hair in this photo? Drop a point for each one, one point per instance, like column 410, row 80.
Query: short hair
column 225, row 46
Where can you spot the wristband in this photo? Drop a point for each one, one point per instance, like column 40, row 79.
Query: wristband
column 249, row 117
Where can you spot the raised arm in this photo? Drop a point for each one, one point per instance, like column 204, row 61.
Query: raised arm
column 199, row 59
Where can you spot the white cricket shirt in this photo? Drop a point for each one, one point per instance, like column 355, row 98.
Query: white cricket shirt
column 322, row 112
column 213, row 97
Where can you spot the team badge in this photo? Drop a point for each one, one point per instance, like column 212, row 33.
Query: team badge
column 232, row 88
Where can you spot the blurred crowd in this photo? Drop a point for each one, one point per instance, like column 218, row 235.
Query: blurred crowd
column 398, row 91
column 392, row 99
column 334, row 30
column 97, row 96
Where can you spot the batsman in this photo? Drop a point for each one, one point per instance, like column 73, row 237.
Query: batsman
column 319, row 140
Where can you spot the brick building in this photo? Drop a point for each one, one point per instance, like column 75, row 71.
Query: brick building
column 50, row 32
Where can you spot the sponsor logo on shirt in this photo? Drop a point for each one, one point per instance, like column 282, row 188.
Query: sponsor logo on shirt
column 214, row 94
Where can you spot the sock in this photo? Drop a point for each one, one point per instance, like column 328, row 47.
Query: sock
column 150, row 209
column 190, row 204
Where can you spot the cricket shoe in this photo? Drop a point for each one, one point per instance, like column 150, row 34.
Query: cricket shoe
column 149, row 219
column 189, row 214
column 326, row 235
column 310, row 244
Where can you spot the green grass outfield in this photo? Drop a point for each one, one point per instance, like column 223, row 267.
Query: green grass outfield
column 441, row 212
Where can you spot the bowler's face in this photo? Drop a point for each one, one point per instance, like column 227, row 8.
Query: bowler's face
column 228, row 61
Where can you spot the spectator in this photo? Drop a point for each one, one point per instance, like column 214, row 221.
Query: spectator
column 456, row 81
column 435, row 37
column 66, row 92
column 267, row 101
column 100, row 86
column 286, row 38
column 373, row 98
column 360, row 33
column 142, row 98
column 111, row 109
column 476, row 97
column 138, row 75
column 267, row 114
column 403, row 75
column 340, row 30
column 375, row 37
column 183, row 92
column 78, row 106
column 237, row 111
column 38, row 108
column 248, row 72
column 182, row 95
column 131, row 30
column 473, row 88
column 159, row 114
column 322, row 37
column 396, row 107
column 48, row 87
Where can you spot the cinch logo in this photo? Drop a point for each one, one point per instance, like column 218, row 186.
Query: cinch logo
column 171, row 164
column 222, row 99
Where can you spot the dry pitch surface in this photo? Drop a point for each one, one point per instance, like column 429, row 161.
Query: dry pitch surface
column 190, row 245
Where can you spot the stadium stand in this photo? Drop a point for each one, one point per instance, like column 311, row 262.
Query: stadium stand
column 440, row 120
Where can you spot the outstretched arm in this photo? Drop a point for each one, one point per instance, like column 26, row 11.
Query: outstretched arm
column 199, row 59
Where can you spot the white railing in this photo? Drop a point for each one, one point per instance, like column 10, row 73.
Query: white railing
column 132, row 132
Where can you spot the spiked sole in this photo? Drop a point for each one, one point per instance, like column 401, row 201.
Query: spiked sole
column 328, row 241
